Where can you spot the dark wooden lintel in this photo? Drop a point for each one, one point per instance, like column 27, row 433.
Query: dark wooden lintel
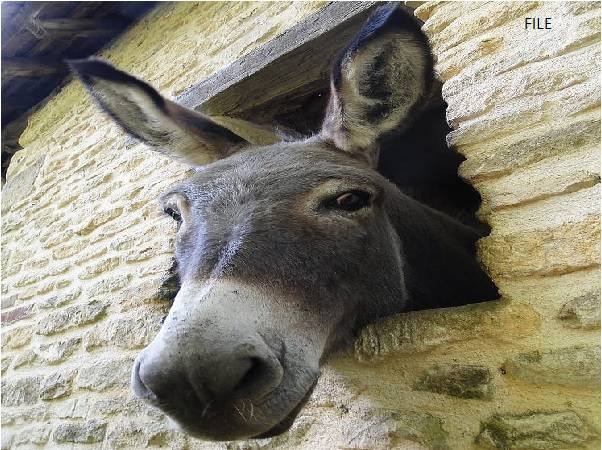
column 298, row 57
column 31, row 67
column 76, row 27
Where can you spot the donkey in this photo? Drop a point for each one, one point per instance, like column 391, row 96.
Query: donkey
column 285, row 251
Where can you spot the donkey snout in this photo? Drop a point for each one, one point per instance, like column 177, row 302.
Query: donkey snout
column 231, row 372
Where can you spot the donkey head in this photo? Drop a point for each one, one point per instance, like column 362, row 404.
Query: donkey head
column 282, row 251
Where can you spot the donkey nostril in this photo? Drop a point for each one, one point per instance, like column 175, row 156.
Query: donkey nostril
column 253, row 373
column 262, row 376
column 139, row 387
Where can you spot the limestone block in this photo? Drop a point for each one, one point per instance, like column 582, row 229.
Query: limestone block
column 119, row 226
column 91, row 253
column 16, row 314
column 11, row 270
column 128, row 241
column 550, row 295
column 423, row 330
column 111, row 283
column 99, row 267
column 24, row 414
column 27, row 279
column 502, row 156
column 20, row 185
column 87, row 432
column 55, row 269
column 71, row 317
column 59, row 300
column 582, row 312
column 457, row 380
column 73, row 408
column 561, row 174
column 572, row 208
column 43, row 288
column 58, row 384
column 55, row 236
column 385, row 429
column 94, row 219
column 437, row 15
column 57, row 352
column 105, row 374
column 5, row 363
column 19, row 255
column 70, row 249
column 535, row 430
column 572, row 35
column 21, row 391
column 577, row 366
column 556, row 235
column 453, row 61
column 124, row 404
column 35, row 434
column 39, row 262
column 558, row 250
column 24, row 358
column 133, row 330
column 6, row 440
column 8, row 301
column 11, row 222
column 533, row 82
column 141, row 434
column 16, row 337
column 467, row 25
column 147, row 291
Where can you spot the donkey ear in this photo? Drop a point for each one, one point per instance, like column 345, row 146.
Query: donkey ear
column 174, row 130
column 378, row 81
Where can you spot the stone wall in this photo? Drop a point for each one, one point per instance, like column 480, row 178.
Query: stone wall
column 84, row 250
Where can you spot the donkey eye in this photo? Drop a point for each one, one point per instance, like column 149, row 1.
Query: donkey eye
column 351, row 201
column 175, row 215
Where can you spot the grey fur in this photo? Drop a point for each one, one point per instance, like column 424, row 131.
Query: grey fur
column 275, row 276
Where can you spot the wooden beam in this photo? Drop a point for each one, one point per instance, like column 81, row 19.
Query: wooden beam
column 21, row 16
column 287, row 64
column 31, row 67
column 75, row 27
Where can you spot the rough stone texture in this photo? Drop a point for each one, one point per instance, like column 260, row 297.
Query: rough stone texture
column 423, row 330
column 85, row 250
column 16, row 314
column 6, row 440
column 15, row 337
column 577, row 366
column 535, row 430
column 139, row 434
column 57, row 352
column 464, row 381
column 27, row 414
column 57, row 385
column 391, row 429
column 132, row 330
column 582, row 312
column 21, row 186
column 71, row 317
column 103, row 375
column 24, row 358
column 20, row 391
column 81, row 433
column 36, row 435
column 6, row 360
